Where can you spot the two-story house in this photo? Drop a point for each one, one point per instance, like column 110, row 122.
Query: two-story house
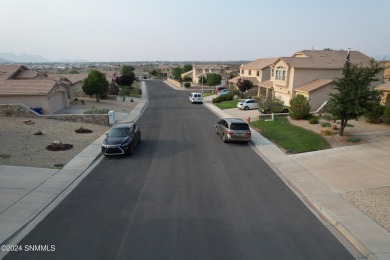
column 202, row 70
column 166, row 70
column 255, row 71
column 309, row 73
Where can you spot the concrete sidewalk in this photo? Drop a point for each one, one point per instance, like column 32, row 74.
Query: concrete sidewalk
column 317, row 178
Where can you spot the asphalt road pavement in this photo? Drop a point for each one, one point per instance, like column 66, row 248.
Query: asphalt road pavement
column 183, row 194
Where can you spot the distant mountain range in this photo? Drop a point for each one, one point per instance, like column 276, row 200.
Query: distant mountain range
column 22, row 58
column 27, row 58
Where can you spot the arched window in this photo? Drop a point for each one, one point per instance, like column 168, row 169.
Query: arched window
column 280, row 73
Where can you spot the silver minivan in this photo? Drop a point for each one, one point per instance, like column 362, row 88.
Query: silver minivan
column 195, row 97
column 233, row 129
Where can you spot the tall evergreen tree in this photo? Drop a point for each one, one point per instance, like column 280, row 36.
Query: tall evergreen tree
column 354, row 95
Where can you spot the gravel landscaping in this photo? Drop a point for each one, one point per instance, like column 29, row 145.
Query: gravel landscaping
column 20, row 147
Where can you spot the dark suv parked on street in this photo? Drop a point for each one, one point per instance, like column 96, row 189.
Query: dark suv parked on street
column 121, row 139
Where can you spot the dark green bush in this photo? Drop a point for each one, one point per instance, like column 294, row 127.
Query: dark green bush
column 313, row 120
column 386, row 116
column 187, row 84
column 326, row 124
column 226, row 97
column 374, row 115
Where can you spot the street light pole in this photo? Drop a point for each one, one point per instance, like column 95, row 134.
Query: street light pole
column 202, row 84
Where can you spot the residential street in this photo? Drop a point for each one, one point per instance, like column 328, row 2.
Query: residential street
column 183, row 194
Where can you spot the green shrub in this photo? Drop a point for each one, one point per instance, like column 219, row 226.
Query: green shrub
column 96, row 111
column 386, row 116
column 226, row 97
column 313, row 120
column 299, row 107
column 353, row 139
column 374, row 115
column 326, row 124
column 187, row 84
column 327, row 117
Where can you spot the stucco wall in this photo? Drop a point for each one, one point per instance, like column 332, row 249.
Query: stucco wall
column 300, row 77
column 318, row 97
column 174, row 82
column 20, row 110
column 29, row 101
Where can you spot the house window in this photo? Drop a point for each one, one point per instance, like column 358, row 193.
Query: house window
column 249, row 72
column 272, row 72
column 242, row 72
column 258, row 73
column 280, row 73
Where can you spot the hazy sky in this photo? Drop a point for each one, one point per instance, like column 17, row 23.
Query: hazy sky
column 201, row 30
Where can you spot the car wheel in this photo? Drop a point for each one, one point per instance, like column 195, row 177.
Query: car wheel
column 139, row 139
column 224, row 139
column 246, row 108
column 216, row 131
column 131, row 149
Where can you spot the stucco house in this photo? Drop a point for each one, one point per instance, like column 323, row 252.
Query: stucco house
column 385, row 89
column 18, row 84
column 386, row 71
column 309, row 73
column 256, row 71
column 200, row 70
column 166, row 70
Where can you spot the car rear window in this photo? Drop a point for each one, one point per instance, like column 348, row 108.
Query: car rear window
column 239, row 126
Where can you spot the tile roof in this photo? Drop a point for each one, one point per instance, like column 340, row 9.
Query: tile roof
column 258, row 64
column 325, row 59
column 73, row 78
column 254, row 80
column 26, row 87
column 316, row 84
column 7, row 71
column 267, row 83
column 19, row 80
column 384, row 87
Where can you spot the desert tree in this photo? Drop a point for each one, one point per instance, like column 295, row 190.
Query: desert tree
column 95, row 84
column 354, row 95
column 244, row 85
column 214, row 79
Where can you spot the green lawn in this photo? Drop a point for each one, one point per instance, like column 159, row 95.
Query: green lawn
column 227, row 104
column 290, row 137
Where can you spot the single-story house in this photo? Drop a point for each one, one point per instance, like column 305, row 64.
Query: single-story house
column 18, row 84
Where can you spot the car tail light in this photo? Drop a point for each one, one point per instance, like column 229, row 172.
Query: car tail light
column 230, row 133
column 249, row 133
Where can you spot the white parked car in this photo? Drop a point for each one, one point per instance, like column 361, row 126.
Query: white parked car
column 195, row 97
column 248, row 104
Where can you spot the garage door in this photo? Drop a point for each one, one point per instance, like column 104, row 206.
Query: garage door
column 57, row 101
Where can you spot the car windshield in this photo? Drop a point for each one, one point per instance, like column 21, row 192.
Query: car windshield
column 239, row 127
column 119, row 132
